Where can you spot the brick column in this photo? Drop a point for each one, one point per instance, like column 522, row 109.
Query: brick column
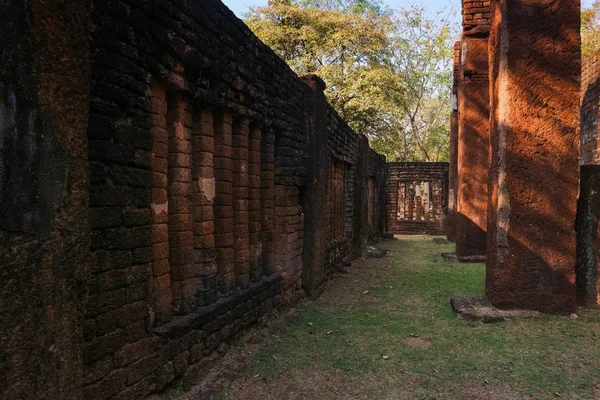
column 203, row 197
column 181, row 237
column 223, row 209
column 453, row 167
column 473, row 144
column 267, row 200
column 161, row 273
column 254, row 203
column 535, row 73
column 241, row 246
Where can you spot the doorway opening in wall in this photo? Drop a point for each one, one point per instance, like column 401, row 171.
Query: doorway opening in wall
column 419, row 200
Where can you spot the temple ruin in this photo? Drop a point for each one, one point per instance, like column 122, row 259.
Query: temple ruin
column 166, row 180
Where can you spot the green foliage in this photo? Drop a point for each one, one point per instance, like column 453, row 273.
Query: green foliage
column 387, row 73
column 590, row 30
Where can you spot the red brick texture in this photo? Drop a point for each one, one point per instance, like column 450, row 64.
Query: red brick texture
column 534, row 172
column 476, row 16
column 473, row 148
column 204, row 210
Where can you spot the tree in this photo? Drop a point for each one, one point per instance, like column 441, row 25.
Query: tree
column 419, row 127
column 384, row 71
column 590, row 30
column 349, row 50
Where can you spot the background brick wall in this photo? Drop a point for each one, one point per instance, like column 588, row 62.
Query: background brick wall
column 403, row 173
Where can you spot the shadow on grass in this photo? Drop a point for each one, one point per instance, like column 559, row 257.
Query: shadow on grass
column 357, row 340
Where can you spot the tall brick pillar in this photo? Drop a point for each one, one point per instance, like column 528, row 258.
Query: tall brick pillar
column 473, row 131
column 535, row 73
column 453, row 167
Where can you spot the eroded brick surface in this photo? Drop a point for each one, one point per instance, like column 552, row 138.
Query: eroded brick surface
column 204, row 208
column 204, row 211
column 472, row 159
column 534, row 173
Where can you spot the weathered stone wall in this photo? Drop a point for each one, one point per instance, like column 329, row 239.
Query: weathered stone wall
column 590, row 101
column 404, row 201
column 588, row 236
column 220, row 186
column 588, row 205
column 534, row 171
column 44, row 232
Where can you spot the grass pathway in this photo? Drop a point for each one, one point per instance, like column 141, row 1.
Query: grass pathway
column 385, row 330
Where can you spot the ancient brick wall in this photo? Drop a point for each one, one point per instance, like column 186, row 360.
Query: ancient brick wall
column 44, row 230
column 191, row 184
column 202, row 146
column 590, row 100
column 417, row 197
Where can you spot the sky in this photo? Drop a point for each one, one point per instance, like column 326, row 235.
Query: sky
column 239, row 7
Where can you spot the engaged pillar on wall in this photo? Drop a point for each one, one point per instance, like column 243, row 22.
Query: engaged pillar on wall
column 361, row 197
column 473, row 146
column 254, row 203
column 535, row 72
column 267, row 200
column 203, row 197
column 223, row 208
column 241, row 246
column 315, row 232
column 181, row 237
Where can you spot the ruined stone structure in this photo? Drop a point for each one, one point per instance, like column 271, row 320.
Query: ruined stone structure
column 166, row 180
column 417, row 197
column 588, row 206
column 472, row 158
column 590, row 100
column 534, row 172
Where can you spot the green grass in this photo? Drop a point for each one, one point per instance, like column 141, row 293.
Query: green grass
column 346, row 333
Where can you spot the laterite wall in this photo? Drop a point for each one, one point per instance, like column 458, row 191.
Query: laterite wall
column 198, row 184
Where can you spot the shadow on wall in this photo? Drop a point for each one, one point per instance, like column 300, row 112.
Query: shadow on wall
column 534, row 170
